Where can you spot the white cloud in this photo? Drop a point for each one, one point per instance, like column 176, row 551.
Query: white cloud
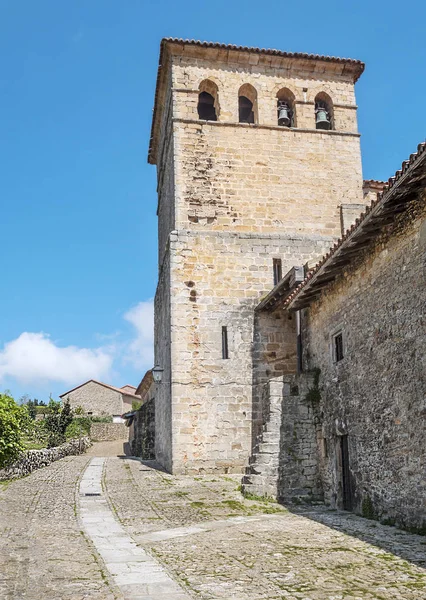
column 33, row 357
column 140, row 351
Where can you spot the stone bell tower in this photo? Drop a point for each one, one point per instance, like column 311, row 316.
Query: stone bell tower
column 256, row 151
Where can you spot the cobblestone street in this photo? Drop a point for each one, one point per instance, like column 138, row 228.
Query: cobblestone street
column 188, row 537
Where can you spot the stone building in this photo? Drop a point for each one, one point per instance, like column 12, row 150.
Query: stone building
column 100, row 399
column 350, row 425
column 308, row 375
column 242, row 197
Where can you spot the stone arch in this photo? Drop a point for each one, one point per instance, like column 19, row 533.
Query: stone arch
column 323, row 102
column 247, row 104
column 286, row 99
column 208, row 101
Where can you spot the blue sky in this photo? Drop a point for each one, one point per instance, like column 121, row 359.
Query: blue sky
column 78, row 227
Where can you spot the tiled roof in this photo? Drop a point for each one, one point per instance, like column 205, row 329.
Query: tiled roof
column 356, row 66
column 111, row 387
column 396, row 193
column 269, row 51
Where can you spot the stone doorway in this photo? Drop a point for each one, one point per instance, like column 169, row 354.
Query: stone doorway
column 347, row 492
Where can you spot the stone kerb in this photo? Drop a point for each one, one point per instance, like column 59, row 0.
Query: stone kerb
column 36, row 459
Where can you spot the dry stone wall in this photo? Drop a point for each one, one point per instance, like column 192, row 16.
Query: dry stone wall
column 36, row 459
column 376, row 394
column 108, row 432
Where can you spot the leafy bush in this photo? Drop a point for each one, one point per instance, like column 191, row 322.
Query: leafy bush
column 12, row 422
column 79, row 427
column 101, row 419
column 57, row 422
column 35, row 407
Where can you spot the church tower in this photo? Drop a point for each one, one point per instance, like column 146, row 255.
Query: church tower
column 256, row 152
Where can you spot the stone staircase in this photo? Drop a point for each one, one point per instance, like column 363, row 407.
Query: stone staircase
column 284, row 461
column 261, row 476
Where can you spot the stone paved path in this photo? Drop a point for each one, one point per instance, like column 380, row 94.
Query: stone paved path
column 43, row 554
column 220, row 546
column 196, row 534
column 139, row 576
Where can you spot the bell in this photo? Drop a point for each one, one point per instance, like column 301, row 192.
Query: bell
column 322, row 120
column 284, row 118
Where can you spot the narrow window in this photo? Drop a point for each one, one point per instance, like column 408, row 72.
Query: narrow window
column 225, row 353
column 206, row 107
column 246, row 113
column 278, row 270
column 338, row 346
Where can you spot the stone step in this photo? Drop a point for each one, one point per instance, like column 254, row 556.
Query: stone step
column 263, row 459
column 270, row 472
column 270, row 436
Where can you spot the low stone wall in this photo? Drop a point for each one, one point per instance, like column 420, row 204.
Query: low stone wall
column 108, row 432
column 36, row 459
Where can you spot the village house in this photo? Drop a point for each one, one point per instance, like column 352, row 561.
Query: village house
column 101, row 399
column 305, row 372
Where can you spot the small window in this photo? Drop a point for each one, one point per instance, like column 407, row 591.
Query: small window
column 278, row 270
column 225, row 353
column 338, row 347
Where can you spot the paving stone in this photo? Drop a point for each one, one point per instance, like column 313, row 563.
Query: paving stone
column 307, row 553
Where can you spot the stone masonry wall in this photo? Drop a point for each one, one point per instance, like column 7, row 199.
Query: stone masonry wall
column 105, row 432
column 36, row 459
column 242, row 195
column 96, row 399
column 143, row 443
column 218, row 279
column 298, row 459
column 376, row 394
column 162, row 351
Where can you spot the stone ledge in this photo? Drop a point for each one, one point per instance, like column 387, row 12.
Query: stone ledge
column 270, row 127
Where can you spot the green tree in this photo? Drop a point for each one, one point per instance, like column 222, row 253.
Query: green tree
column 57, row 422
column 13, row 420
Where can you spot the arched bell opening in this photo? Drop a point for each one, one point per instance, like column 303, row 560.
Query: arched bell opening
column 286, row 113
column 208, row 101
column 247, row 104
column 324, row 117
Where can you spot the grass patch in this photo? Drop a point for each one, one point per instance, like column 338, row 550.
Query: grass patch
column 257, row 498
column 235, row 505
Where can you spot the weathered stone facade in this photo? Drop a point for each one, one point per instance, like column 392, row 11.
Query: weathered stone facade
column 232, row 197
column 375, row 395
column 143, row 439
column 284, row 462
column 99, row 399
